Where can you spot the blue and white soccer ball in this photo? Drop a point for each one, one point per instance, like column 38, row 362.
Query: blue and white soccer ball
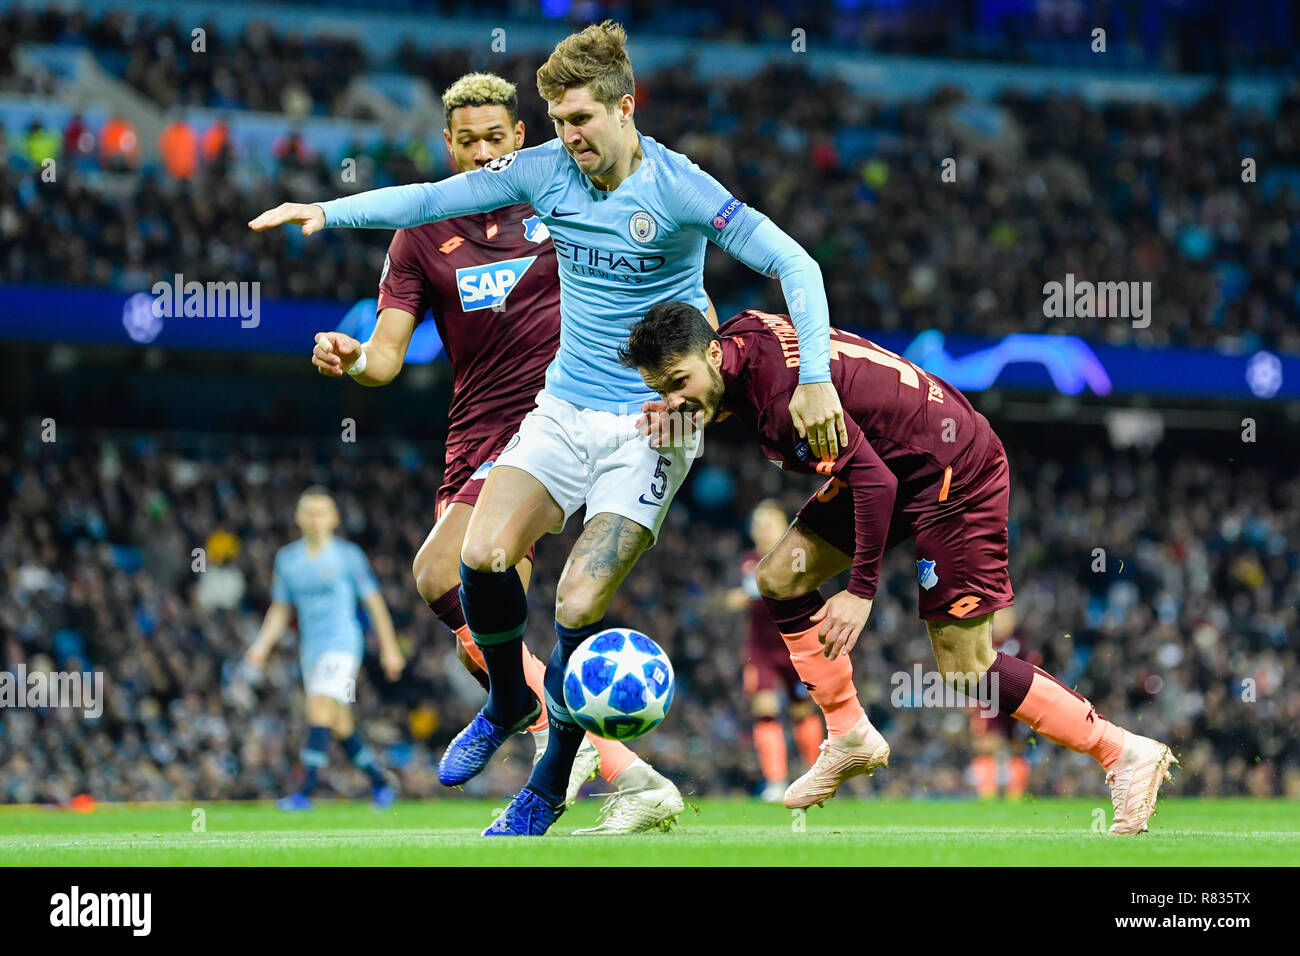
column 619, row 684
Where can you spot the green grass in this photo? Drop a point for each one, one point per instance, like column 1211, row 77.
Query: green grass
column 1046, row 832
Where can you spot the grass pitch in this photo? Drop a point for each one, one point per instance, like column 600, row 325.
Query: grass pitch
column 1042, row 832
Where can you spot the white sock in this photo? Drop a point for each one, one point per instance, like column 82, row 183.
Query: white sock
column 635, row 776
column 540, row 738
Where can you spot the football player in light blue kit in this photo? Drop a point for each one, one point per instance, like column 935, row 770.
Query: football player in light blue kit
column 325, row 577
column 629, row 220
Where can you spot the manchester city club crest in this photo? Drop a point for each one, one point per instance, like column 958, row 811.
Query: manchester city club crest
column 642, row 226
column 925, row 573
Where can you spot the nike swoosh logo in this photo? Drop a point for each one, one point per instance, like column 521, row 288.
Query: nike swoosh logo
column 556, row 214
column 652, row 504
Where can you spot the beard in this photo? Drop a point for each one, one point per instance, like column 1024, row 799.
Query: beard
column 711, row 403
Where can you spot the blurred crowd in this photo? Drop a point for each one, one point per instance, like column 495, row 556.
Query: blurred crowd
column 1206, row 36
column 1042, row 187
column 1185, row 630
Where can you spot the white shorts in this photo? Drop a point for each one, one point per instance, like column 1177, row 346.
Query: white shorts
column 333, row 674
column 584, row 456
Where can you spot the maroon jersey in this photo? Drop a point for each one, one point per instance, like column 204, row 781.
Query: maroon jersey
column 763, row 632
column 492, row 283
column 915, row 442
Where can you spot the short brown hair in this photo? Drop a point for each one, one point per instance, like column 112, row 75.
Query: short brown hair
column 595, row 57
column 480, row 89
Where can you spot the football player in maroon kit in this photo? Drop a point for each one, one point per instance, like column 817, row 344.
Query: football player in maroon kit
column 769, row 675
column 490, row 280
column 920, row 463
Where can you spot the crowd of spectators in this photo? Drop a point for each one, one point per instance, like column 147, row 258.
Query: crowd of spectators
column 1185, row 634
column 1209, row 36
column 1118, row 192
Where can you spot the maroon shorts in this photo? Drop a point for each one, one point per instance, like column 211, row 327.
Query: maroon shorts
column 466, row 468
column 770, row 668
column 961, row 547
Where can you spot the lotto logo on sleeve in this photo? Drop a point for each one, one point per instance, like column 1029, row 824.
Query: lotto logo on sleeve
column 488, row 287
column 726, row 212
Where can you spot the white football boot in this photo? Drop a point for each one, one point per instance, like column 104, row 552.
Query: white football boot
column 843, row 757
column 1135, row 780
column 646, row 800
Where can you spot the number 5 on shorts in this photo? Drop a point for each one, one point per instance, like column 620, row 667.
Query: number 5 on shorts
column 659, row 483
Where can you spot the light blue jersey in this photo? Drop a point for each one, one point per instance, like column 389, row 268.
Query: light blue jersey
column 619, row 252
column 325, row 588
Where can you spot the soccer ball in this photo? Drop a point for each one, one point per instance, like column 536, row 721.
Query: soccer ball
column 618, row 684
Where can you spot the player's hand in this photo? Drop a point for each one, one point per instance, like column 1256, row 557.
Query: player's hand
column 819, row 417
column 334, row 353
column 311, row 216
column 392, row 663
column 665, row 428
column 842, row 619
column 256, row 656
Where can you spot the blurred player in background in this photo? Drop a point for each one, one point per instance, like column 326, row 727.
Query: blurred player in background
column 919, row 463
column 324, row 578
column 630, row 220
column 998, row 739
column 490, row 279
column 768, row 669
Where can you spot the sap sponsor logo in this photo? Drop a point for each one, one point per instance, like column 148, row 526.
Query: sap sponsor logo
column 488, row 286
column 501, row 163
column 729, row 209
column 131, row 910
column 535, row 230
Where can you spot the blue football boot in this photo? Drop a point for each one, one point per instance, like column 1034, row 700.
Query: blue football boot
column 383, row 798
column 294, row 801
column 472, row 748
column 527, row 815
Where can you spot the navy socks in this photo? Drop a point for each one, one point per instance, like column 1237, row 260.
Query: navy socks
column 550, row 778
column 496, row 610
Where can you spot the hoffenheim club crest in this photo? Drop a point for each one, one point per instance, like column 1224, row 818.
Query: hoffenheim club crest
column 925, row 573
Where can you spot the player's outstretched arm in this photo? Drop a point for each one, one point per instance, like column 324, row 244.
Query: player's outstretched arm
column 759, row 243
column 815, row 407
column 273, row 627
column 506, row 180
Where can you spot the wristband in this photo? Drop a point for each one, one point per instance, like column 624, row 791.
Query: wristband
column 359, row 365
